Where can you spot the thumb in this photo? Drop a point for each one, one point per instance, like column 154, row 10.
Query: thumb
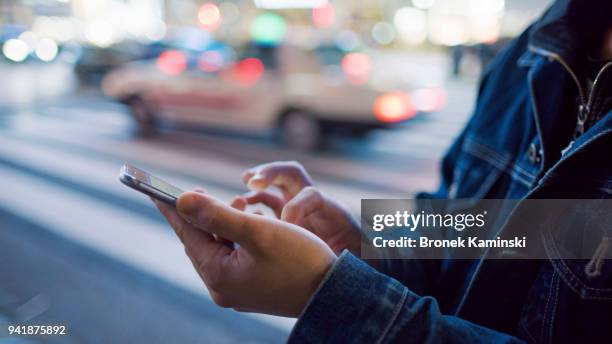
column 215, row 217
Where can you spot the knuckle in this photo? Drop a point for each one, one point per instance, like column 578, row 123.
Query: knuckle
column 314, row 194
column 296, row 168
column 312, row 191
column 292, row 209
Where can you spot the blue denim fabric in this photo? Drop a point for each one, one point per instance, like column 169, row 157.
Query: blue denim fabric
column 515, row 146
column 357, row 304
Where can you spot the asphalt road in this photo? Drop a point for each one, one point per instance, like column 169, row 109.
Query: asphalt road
column 80, row 249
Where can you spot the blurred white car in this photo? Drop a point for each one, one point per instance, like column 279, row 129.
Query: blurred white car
column 269, row 87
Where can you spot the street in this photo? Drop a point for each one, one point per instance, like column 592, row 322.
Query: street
column 86, row 252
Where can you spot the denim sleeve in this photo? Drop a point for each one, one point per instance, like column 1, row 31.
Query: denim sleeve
column 357, row 304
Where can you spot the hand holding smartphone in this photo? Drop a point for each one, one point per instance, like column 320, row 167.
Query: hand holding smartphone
column 150, row 185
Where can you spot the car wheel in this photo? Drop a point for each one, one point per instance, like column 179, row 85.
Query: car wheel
column 143, row 116
column 302, row 131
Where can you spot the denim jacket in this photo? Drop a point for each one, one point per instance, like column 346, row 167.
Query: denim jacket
column 520, row 143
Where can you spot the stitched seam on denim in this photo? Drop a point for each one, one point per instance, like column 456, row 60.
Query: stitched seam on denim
column 490, row 179
column 526, row 173
column 554, row 309
column 572, row 281
column 471, row 144
column 516, row 177
column 396, row 312
column 486, row 153
column 552, row 281
column 501, row 162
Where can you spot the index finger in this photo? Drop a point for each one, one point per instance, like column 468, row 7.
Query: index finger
column 289, row 176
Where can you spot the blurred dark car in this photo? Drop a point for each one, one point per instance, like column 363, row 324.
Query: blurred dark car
column 94, row 62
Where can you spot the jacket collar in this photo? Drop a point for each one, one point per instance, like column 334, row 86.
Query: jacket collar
column 567, row 29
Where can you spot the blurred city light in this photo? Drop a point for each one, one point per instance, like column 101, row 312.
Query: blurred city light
column 357, row 67
column 281, row 4
column 383, row 33
column 324, row 16
column 210, row 61
column 61, row 29
column 394, row 107
column 46, row 49
column 429, row 99
column 411, row 25
column 248, row 71
column 486, row 6
column 172, row 62
column 447, row 30
column 157, row 32
column 15, row 50
column 100, row 33
column 348, row 40
column 268, row 28
column 30, row 39
column 209, row 16
column 423, row 4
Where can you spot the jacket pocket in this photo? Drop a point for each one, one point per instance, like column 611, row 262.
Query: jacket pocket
column 566, row 306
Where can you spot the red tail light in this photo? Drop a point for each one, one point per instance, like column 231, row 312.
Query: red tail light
column 394, row 107
column 172, row 62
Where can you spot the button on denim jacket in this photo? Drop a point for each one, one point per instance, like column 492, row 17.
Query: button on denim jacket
column 519, row 144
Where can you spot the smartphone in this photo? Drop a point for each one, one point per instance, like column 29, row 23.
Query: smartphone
column 148, row 184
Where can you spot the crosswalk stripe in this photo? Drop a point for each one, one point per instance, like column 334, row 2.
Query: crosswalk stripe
column 223, row 172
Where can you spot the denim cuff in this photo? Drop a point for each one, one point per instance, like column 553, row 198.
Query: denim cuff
column 354, row 303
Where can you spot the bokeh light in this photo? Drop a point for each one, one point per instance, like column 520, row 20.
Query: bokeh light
column 172, row 62
column 411, row 24
column 383, row 33
column 248, row 71
column 209, row 16
column 15, row 50
column 323, row 16
column 429, row 99
column 486, row 6
column 46, row 49
column 100, row 33
column 30, row 39
column 210, row 61
column 348, row 40
column 357, row 67
column 423, row 4
column 268, row 28
column 448, row 30
column 394, row 107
